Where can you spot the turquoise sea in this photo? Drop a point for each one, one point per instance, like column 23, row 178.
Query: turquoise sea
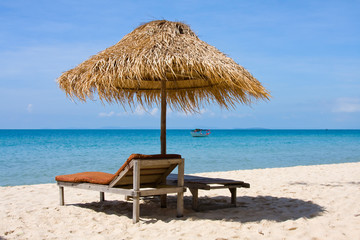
column 37, row 156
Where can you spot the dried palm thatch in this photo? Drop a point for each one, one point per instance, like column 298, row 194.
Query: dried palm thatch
column 164, row 63
column 163, row 53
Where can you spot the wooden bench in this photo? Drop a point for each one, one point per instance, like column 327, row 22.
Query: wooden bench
column 194, row 183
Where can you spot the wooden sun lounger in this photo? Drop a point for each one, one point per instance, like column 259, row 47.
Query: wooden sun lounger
column 141, row 175
column 194, row 183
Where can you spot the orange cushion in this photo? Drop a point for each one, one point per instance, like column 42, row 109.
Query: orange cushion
column 86, row 177
column 106, row 178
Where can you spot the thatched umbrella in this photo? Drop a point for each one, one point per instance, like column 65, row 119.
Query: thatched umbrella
column 163, row 62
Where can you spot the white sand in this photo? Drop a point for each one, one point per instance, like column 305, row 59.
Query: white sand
column 311, row 202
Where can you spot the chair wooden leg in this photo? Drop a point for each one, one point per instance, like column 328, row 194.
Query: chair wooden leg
column 61, row 193
column 136, row 194
column 233, row 196
column 163, row 201
column 180, row 195
column 102, row 196
column 195, row 198
column 136, row 209
column 180, row 204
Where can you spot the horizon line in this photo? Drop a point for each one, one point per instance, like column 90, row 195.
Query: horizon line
column 116, row 128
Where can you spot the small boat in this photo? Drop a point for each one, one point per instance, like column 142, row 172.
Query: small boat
column 200, row 132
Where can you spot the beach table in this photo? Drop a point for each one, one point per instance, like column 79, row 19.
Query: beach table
column 194, row 183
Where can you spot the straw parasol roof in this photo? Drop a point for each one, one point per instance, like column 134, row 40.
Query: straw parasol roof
column 195, row 72
column 163, row 63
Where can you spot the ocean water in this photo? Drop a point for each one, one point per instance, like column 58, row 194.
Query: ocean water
column 37, row 156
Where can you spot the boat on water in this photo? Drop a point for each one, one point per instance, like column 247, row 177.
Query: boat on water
column 200, row 132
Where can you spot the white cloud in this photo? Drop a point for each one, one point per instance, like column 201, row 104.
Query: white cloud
column 183, row 114
column 200, row 113
column 169, row 112
column 207, row 111
column 106, row 114
column 122, row 114
column 347, row 105
column 29, row 108
column 139, row 111
column 154, row 111
column 236, row 115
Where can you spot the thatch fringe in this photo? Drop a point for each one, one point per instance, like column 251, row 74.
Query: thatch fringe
column 131, row 71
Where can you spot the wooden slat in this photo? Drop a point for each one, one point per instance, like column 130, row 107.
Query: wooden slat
column 166, row 173
column 150, row 171
column 143, row 179
column 96, row 187
column 127, row 180
column 162, row 162
column 160, row 191
column 213, row 181
column 202, row 186
column 121, row 174
column 165, row 166
column 222, row 186
column 144, row 164
column 190, row 179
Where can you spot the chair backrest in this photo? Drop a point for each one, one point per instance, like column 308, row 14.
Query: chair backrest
column 153, row 169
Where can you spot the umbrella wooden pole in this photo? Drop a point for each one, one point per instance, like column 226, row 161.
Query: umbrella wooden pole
column 163, row 197
column 163, row 117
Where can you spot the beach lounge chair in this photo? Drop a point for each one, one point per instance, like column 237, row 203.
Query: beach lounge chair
column 140, row 176
column 194, row 183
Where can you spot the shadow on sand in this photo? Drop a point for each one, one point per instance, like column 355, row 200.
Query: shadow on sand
column 249, row 209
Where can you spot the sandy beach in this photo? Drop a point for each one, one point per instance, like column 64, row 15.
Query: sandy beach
column 304, row 202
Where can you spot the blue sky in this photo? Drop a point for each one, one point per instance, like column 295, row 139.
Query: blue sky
column 307, row 53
